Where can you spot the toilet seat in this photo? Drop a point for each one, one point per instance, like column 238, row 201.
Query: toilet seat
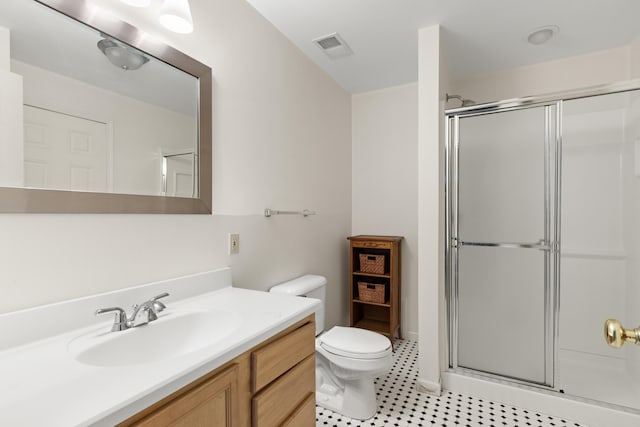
column 355, row 343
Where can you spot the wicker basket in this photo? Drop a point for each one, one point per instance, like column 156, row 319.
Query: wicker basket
column 370, row 263
column 371, row 292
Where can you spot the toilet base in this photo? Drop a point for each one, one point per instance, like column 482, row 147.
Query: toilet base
column 354, row 398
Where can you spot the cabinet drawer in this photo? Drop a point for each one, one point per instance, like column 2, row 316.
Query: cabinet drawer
column 304, row 415
column 276, row 358
column 214, row 402
column 278, row 402
column 367, row 244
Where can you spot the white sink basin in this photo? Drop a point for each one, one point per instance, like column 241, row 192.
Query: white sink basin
column 174, row 334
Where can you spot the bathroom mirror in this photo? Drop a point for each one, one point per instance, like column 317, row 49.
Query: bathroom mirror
column 97, row 117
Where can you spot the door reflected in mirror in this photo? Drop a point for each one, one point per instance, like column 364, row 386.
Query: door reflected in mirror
column 83, row 111
column 178, row 174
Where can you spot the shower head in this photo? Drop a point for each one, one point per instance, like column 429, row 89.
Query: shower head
column 465, row 102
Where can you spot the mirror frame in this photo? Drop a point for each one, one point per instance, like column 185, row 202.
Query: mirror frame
column 27, row 200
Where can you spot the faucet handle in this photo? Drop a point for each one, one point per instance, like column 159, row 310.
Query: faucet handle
column 157, row 305
column 120, row 322
column 162, row 295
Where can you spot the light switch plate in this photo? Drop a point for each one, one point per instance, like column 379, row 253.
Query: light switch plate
column 234, row 243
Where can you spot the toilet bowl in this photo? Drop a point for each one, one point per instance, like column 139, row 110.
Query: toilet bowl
column 347, row 359
column 347, row 362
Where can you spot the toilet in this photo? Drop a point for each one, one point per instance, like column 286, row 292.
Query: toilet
column 347, row 359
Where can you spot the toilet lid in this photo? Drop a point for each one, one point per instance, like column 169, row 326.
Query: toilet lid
column 355, row 342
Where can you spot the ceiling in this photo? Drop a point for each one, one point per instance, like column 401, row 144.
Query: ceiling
column 478, row 36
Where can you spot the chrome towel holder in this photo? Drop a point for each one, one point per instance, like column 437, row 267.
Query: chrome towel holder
column 270, row 212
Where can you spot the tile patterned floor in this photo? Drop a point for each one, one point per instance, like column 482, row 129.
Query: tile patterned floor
column 400, row 405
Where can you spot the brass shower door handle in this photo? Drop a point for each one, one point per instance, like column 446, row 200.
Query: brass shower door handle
column 616, row 335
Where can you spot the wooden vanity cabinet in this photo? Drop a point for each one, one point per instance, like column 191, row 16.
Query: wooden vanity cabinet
column 283, row 378
column 272, row 384
column 212, row 403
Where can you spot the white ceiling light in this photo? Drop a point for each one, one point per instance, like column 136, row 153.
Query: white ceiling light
column 542, row 35
column 122, row 56
column 137, row 3
column 175, row 15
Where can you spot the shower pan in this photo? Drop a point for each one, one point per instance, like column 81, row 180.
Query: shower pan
column 543, row 239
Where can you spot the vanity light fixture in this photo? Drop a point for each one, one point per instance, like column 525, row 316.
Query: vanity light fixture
column 175, row 15
column 542, row 35
column 137, row 3
column 122, row 56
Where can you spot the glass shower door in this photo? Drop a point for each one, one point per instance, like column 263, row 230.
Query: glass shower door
column 600, row 247
column 501, row 242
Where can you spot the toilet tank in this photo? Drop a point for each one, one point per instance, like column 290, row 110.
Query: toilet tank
column 311, row 286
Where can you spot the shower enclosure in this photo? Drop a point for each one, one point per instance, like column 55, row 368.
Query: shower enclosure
column 543, row 239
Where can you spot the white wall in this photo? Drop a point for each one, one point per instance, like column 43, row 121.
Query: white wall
column 282, row 132
column 385, row 180
column 563, row 74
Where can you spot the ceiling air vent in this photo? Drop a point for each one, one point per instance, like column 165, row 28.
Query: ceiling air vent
column 333, row 46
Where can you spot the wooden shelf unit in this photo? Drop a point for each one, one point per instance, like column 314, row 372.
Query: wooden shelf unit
column 379, row 317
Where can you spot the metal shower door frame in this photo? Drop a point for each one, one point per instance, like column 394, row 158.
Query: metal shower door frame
column 550, row 243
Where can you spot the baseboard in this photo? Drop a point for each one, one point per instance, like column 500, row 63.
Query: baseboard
column 430, row 387
column 411, row 336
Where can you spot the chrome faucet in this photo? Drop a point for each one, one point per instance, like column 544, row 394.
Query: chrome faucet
column 151, row 307
column 121, row 323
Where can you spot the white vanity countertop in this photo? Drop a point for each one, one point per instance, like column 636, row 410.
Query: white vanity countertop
column 41, row 383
